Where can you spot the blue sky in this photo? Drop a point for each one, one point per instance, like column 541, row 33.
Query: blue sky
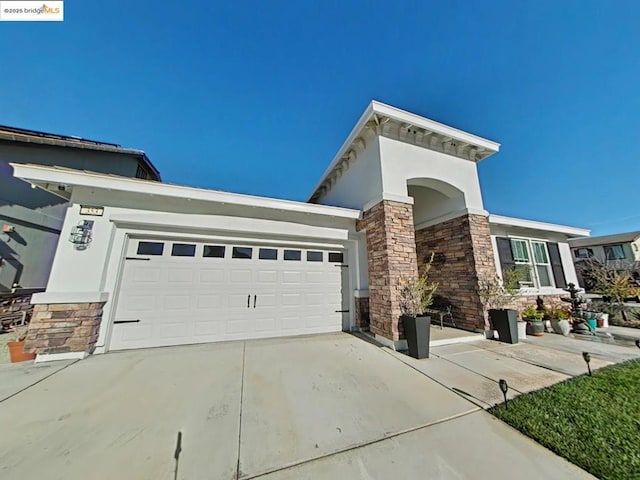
column 257, row 97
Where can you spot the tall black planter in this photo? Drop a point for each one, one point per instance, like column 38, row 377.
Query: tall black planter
column 416, row 331
column 506, row 323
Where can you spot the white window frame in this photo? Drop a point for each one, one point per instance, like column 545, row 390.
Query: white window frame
column 610, row 248
column 532, row 263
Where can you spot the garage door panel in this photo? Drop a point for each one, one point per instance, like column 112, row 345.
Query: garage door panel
column 177, row 302
column 179, row 275
column 146, row 274
column 198, row 298
column 206, row 301
column 212, row 275
column 241, row 276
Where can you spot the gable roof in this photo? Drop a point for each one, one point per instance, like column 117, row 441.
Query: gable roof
column 14, row 134
column 605, row 239
column 377, row 114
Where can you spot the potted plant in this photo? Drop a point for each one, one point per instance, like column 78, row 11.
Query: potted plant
column 16, row 348
column 416, row 294
column 535, row 325
column 559, row 317
column 496, row 293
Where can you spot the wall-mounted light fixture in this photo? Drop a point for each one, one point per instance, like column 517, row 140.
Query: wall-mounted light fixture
column 81, row 234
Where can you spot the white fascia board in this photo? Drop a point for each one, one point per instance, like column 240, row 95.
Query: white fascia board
column 35, row 174
column 433, row 126
column 355, row 131
column 244, row 225
column 69, row 297
column 406, row 117
column 543, row 226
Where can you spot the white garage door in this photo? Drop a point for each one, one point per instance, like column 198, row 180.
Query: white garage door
column 181, row 292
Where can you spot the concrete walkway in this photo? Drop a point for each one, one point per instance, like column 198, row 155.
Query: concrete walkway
column 473, row 370
column 318, row 407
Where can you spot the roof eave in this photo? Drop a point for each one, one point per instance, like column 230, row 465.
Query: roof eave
column 536, row 225
column 42, row 175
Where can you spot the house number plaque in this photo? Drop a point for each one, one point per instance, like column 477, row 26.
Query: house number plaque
column 94, row 211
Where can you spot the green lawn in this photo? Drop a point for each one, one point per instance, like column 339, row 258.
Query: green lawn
column 594, row 422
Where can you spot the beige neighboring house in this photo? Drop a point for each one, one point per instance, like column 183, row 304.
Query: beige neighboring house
column 621, row 251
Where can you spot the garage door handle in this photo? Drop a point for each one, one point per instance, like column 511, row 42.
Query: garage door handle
column 342, row 311
column 137, row 258
column 248, row 300
column 125, row 321
column 254, row 301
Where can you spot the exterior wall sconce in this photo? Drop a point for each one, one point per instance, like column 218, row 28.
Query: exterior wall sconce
column 81, row 234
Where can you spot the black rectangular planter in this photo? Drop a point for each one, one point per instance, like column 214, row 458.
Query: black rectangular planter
column 506, row 323
column 416, row 331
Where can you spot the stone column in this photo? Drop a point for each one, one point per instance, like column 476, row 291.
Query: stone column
column 64, row 328
column 391, row 254
column 464, row 255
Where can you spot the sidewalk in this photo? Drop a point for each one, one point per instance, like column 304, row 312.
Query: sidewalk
column 473, row 370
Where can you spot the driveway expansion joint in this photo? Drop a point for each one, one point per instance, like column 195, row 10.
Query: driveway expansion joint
column 362, row 445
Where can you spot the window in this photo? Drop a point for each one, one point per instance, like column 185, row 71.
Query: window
column 335, row 257
column 294, row 255
column 183, row 250
column 314, row 256
column 268, row 254
column 542, row 264
column 242, row 252
column 213, row 251
column 583, row 253
column 150, row 248
column 614, row 252
column 536, row 268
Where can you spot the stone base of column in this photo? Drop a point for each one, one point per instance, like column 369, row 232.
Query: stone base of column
column 64, row 328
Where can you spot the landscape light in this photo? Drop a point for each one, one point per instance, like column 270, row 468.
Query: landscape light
column 504, row 388
column 587, row 358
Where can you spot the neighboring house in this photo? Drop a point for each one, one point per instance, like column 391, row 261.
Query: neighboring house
column 620, row 251
column 144, row 264
column 31, row 219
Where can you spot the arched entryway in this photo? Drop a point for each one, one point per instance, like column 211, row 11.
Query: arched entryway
column 460, row 243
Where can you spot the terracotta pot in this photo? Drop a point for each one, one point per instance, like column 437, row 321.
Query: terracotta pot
column 17, row 353
column 600, row 321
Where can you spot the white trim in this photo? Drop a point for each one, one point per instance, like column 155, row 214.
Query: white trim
column 450, row 216
column 472, row 337
column 535, row 225
column 361, row 293
column 69, row 297
column 69, row 177
column 54, row 357
column 405, row 117
column 243, row 225
column 393, row 345
column 387, row 196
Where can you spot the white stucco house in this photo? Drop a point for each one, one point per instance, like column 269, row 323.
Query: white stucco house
column 143, row 264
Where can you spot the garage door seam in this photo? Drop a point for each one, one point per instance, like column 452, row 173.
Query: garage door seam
column 35, row 383
column 244, row 350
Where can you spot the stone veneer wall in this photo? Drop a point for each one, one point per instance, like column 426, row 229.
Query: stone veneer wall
column 520, row 303
column 362, row 313
column 63, row 328
column 463, row 255
column 391, row 254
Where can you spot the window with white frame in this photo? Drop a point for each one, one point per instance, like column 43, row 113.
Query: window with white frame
column 531, row 258
column 583, row 253
column 614, row 252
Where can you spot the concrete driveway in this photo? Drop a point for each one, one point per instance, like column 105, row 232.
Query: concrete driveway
column 325, row 406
